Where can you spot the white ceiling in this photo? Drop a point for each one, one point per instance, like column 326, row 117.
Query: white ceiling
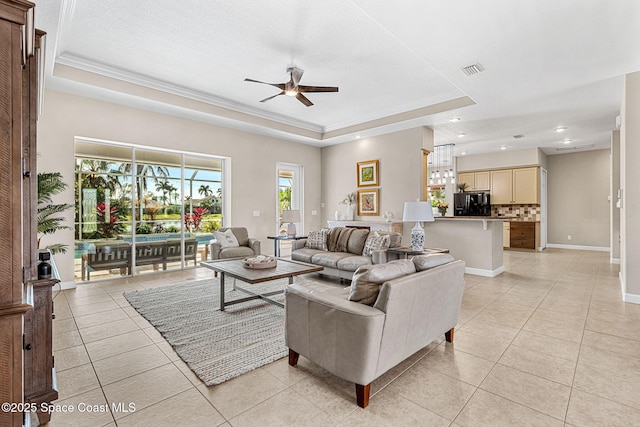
column 548, row 63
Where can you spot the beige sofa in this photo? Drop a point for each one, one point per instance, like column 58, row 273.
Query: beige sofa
column 344, row 263
column 358, row 342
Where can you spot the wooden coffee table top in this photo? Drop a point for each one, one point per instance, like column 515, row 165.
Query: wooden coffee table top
column 235, row 267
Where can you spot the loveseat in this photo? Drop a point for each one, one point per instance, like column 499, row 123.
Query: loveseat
column 344, row 249
column 360, row 342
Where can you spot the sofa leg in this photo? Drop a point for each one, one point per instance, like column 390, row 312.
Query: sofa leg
column 362, row 395
column 293, row 357
column 449, row 335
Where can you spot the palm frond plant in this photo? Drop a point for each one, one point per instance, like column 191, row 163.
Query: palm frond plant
column 50, row 184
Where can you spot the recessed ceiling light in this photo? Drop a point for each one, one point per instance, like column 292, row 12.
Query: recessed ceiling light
column 358, row 137
column 463, row 153
column 518, row 136
column 454, row 119
column 567, row 141
column 561, row 128
column 504, row 147
column 461, row 135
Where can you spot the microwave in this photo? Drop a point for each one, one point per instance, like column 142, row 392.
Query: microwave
column 472, row 203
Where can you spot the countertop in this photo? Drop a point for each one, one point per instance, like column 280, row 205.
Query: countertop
column 486, row 218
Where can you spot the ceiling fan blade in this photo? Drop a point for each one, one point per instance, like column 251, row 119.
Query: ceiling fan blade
column 296, row 75
column 300, row 97
column 302, row 88
column 278, row 85
column 271, row 97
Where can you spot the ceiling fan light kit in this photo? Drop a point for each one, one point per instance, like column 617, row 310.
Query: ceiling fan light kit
column 293, row 88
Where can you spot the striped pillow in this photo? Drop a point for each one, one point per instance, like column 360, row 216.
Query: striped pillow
column 317, row 239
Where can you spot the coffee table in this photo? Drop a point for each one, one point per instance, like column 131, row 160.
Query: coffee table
column 234, row 267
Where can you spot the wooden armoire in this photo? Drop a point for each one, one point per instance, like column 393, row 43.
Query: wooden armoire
column 26, row 360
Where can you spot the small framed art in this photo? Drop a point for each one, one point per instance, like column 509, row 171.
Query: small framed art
column 368, row 173
column 368, row 202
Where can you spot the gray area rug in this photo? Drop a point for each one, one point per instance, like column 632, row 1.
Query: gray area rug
column 217, row 345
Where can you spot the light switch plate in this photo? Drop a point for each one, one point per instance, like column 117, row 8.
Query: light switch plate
column 314, row 212
column 256, row 213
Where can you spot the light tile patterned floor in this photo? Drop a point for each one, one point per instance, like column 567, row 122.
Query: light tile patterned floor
column 548, row 342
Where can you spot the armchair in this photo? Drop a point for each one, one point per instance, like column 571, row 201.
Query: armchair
column 246, row 246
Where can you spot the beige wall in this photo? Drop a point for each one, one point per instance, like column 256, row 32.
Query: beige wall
column 629, row 178
column 614, row 233
column 578, row 191
column 400, row 157
column 253, row 158
column 504, row 159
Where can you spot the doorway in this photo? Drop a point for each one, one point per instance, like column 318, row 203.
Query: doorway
column 289, row 197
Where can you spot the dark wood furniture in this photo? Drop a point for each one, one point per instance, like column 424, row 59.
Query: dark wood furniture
column 19, row 71
column 522, row 235
column 236, row 269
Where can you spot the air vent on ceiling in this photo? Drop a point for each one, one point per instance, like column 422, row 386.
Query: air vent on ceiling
column 518, row 136
column 576, row 147
column 470, row 70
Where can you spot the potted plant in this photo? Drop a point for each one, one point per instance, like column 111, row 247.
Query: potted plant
column 442, row 208
column 50, row 184
column 349, row 200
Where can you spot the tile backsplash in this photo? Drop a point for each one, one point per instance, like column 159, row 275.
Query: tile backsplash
column 517, row 212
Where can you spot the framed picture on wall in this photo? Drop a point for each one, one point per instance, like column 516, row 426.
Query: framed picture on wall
column 368, row 202
column 368, row 173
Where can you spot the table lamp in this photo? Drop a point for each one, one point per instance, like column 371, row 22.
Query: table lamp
column 418, row 212
column 291, row 217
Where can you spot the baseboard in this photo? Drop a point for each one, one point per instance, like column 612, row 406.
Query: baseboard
column 632, row 298
column 61, row 286
column 579, row 247
column 614, row 260
column 482, row 272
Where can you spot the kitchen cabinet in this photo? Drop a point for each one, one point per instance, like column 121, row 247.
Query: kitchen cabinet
column 506, row 234
column 515, row 186
column 522, row 235
column 476, row 181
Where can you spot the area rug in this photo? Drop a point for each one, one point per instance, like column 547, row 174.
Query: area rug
column 217, row 345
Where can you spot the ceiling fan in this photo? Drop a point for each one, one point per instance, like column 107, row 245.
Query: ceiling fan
column 292, row 88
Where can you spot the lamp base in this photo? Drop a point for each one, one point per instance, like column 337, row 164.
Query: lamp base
column 291, row 230
column 417, row 237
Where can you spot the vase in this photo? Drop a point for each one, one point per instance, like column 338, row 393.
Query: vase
column 338, row 215
column 350, row 212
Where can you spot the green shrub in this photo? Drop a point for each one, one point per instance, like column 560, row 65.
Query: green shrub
column 143, row 228
column 209, row 226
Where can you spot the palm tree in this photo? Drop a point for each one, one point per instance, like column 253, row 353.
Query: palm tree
column 205, row 190
column 50, row 184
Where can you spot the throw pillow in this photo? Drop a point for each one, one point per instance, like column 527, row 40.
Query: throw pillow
column 366, row 281
column 226, row 238
column 374, row 242
column 317, row 239
column 423, row 262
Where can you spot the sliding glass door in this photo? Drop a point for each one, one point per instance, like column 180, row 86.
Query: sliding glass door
column 141, row 210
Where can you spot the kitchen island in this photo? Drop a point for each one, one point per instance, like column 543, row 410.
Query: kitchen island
column 475, row 240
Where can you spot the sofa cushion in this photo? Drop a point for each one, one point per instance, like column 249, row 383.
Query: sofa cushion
column 395, row 239
column 329, row 259
column 358, row 237
column 235, row 252
column 351, row 263
column 423, row 262
column 305, row 254
column 366, row 281
column 226, row 238
column 375, row 241
column 317, row 239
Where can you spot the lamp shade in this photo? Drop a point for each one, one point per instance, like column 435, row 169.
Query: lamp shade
column 291, row 216
column 417, row 212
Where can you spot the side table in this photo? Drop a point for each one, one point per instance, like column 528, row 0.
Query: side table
column 407, row 251
column 280, row 238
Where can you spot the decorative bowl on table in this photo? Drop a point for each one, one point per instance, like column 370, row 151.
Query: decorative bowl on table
column 260, row 261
